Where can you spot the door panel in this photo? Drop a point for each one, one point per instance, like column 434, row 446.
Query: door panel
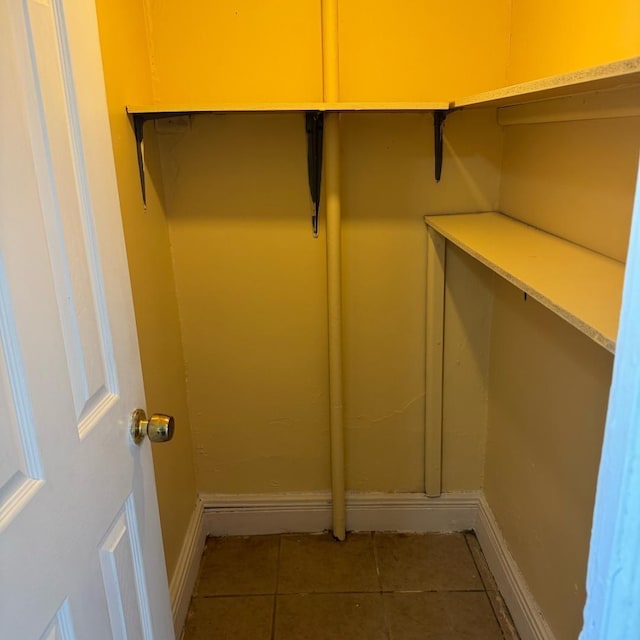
column 61, row 627
column 80, row 545
column 20, row 468
column 75, row 258
column 123, row 575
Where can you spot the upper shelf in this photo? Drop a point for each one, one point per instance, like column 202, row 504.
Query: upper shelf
column 612, row 75
column 581, row 286
column 606, row 76
column 278, row 107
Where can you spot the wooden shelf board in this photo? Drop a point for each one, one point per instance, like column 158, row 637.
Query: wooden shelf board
column 607, row 76
column 581, row 286
column 231, row 107
column 278, row 107
column 386, row 106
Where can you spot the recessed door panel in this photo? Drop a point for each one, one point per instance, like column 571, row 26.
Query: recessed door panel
column 123, row 575
column 65, row 191
column 61, row 627
column 20, row 469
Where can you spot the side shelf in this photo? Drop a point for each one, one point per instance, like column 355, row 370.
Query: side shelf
column 581, row 286
column 613, row 75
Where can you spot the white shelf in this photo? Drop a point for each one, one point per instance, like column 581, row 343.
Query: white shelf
column 275, row 107
column 581, row 286
column 613, row 75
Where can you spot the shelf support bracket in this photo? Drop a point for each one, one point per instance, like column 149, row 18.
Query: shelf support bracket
column 138, row 128
column 439, row 116
column 138, row 120
column 314, row 126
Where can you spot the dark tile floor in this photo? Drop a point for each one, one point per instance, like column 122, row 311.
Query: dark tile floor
column 372, row 586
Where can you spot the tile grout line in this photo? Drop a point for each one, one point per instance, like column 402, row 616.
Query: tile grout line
column 387, row 626
column 486, row 591
column 275, row 595
column 339, row 593
column 473, row 559
column 375, row 560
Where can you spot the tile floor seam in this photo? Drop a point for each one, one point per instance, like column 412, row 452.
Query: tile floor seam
column 375, row 559
column 363, row 593
column 480, row 573
column 328, row 592
column 275, row 594
column 476, row 561
column 509, row 633
column 495, row 615
column 221, row 596
column 475, row 564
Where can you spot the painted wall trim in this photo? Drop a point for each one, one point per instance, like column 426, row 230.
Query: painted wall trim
column 186, row 571
column 411, row 512
column 524, row 610
column 260, row 514
column 311, row 512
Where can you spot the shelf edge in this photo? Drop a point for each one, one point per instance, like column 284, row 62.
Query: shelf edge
column 603, row 76
column 591, row 332
column 284, row 107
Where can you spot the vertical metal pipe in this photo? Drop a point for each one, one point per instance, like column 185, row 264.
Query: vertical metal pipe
column 334, row 298
column 436, row 256
column 330, row 87
column 334, row 261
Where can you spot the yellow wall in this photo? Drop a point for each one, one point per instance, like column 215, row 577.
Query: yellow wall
column 416, row 50
column 549, row 384
column 251, row 285
column 387, row 188
column 244, row 50
column 127, row 79
column 574, row 179
column 550, row 37
column 548, row 391
column 236, row 51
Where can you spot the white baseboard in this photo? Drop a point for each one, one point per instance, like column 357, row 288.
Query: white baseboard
column 259, row 514
column 307, row 513
column 186, row 571
column 411, row 512
column 523, row 608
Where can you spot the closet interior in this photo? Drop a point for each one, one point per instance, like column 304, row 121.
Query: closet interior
column 376, row 255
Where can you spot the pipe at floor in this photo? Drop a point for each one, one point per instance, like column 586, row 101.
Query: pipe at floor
column 334, row 261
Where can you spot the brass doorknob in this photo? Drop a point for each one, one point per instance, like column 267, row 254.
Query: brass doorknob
column 158, row 427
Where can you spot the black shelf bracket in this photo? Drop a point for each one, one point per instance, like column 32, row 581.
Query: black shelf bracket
column 314, row 126
column 439, row 116
column 138, row 128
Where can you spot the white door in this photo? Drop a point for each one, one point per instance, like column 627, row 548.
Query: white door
column 80, row 545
